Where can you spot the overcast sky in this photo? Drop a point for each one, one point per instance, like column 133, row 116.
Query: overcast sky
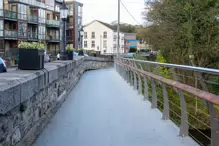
column 106, row 10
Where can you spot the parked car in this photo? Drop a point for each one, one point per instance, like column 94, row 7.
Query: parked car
column 3, row 67
column 130, row 55
column 75, row 54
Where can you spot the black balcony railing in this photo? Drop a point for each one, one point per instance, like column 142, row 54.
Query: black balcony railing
column 33, row 19
column 53, row 23
column 52, row 38
column 10, row 15
column 11, row 34
column 32, row 36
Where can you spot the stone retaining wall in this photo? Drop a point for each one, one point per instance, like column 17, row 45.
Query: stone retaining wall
column 29, row 99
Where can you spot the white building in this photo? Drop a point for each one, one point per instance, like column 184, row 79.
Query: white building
column 100, row 36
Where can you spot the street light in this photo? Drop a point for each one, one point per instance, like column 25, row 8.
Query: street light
column 81, row 36
column 64, row 15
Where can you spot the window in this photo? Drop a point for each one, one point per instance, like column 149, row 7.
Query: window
column 1, row 27
column 114, row 46
column 93, row 35
column 70, row 10
column 1, row 7
column 105, row 44
column 22, row 12
column 57, row 8
column 92, row 44
column 85, row 35
column 114, row 38
column 42, row 32
column 48, row 16
column 2, row 46
column 85, row 44
column 79, row 23
column 42, row 16
column 22, row 30
column 104, row 34
column 79, row 11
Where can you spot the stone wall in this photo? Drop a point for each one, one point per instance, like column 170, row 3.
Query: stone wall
column 29, row 99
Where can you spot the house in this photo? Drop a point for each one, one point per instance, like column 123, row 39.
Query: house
column 101, row 36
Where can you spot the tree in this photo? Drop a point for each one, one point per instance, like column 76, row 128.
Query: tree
column 184, row 27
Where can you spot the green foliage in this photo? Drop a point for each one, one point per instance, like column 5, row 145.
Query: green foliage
column 70, row 49
column 163, row 70
column 183, row 28
column 93, row 52
column 31, row 45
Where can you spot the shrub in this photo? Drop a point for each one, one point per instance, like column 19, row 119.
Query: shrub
column 70, row 49
column 32, row 45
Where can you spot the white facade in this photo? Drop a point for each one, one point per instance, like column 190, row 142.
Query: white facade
column 100, row 37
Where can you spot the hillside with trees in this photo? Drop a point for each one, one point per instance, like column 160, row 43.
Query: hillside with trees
column 180, row 28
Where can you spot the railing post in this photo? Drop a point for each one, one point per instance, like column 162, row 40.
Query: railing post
column 166, row 111
column 135, row 78
column 146, row 95
column 184, row 127
column 214, row 125
column 154, row 94
column 139, row 83
column 130, row 74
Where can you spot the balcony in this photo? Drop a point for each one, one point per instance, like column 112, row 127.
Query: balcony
column 53, row 39
column 33, row 19
column 60, row 1
column 10, row 15
column 11, row 34
column 69, row 39
column 33, row 36
column 70, row 26
column 33, row 3
column 53, row 23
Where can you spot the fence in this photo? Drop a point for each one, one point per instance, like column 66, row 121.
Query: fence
column 186, row 95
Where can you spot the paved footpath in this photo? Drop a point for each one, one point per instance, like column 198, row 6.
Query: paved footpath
column 103, row 110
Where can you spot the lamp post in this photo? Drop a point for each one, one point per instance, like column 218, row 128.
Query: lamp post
column 64, row 15
column 81, row 36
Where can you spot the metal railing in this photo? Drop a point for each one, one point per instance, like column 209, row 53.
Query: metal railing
column 10, row 14
column 52, row 38
column 11, row 34
column 185, row 94
column 32, row 36
column 61, row 1
column 53, row 23
column 33, row 18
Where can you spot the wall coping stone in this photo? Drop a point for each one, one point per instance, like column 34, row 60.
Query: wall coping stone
column 19, row 85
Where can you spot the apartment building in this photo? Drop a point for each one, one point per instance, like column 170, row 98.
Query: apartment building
column 101, row 36
column 75, row 25
column 33, row 21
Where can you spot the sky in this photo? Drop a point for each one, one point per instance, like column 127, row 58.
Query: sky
column 107, row 11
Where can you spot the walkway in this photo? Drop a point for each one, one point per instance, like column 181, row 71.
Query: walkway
column 103, row 110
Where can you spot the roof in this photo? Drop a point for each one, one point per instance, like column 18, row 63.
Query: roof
column 73, row 2
column 105, row 24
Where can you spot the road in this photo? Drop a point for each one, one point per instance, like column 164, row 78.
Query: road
column 103, row 110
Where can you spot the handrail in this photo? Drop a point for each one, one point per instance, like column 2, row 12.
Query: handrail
column 184, row 67
column 192, row 90
column 182, row 93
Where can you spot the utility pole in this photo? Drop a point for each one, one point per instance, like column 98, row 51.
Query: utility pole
column 118, row 29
